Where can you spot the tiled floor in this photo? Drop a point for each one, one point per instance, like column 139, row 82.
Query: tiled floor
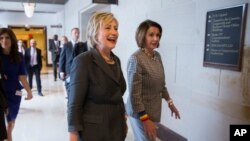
column 44, row 118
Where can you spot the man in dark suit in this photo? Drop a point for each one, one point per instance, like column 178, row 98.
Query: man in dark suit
column 80, row 48
column 33, row 61
column 69, row 51
column 54, row 45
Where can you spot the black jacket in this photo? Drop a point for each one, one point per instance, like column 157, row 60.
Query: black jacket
column 3, row 102
column 80, row 48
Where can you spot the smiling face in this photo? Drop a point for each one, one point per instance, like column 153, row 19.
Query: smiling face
column 5, row 41
column 152, row 38
column 107, row 35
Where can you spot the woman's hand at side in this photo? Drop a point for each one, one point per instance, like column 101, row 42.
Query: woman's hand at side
column 150, row 129
column 73, row 136
column 174, row 111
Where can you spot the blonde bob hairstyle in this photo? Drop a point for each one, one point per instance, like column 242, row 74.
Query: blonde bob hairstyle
column 96, row 21
column 142, row 30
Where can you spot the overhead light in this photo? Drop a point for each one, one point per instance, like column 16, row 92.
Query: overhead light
column 29, row 8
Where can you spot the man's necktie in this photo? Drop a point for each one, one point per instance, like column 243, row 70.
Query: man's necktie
column 32, row 57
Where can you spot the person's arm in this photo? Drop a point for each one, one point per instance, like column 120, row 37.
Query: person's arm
column 73, row 136
column 134, row 73
column 135, row 79
column 3, row 101
column 23, row 80
column 174, row 110
column 40, row 60
column 78, row 90
column 50, row 45
column 166, row 96
column 62, row 62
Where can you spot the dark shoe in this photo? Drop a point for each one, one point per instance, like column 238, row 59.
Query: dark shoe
column 40, row 94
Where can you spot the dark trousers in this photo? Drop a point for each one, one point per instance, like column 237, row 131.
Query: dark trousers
column 54, row 64
column 3, row 132
column 35, row 70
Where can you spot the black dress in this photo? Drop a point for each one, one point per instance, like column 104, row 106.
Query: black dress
column 3, row 106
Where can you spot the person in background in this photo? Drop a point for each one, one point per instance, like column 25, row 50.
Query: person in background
column 146, row 82
column 54, row 45
column 21, row 47
column 14, row 73
column 63, row 41
column 80, row 48
column 66, row 57
column 33, row 60
column 96, row 110
column 3, row 106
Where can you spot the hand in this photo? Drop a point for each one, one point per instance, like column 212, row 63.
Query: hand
column 150, row 129
column 6, row 111
column 126, row 132
column 29, row 96
column 174, row 111
column 126, row 117
column 73, row 136
column 62, row 76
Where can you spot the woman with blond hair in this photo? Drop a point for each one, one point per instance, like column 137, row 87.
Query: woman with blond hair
column 95, row 108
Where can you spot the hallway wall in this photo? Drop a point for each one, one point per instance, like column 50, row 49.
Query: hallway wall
column 209, row 99
column 38, row 19
column 72, row 14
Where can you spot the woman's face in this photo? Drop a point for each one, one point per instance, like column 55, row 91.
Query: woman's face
column 20, row 43
column 63, row 40
column 5, row 40
column 107, row 36
column 152, row 38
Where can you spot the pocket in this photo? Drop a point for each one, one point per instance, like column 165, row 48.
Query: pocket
column 92, row 119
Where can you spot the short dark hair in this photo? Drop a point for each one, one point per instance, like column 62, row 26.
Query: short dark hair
column 55, row 37
column 142, row 31
column 75, row 28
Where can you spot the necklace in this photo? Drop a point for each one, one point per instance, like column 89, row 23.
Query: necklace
column 151, row 56
column 109, row 60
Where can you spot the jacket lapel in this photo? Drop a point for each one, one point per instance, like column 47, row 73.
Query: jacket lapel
column 103, row 65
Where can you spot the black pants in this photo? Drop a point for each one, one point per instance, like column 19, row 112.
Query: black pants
column 35, row 70
column 55, row 69
column 3, row 132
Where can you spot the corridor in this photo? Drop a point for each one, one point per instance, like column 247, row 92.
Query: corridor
column 44, row 118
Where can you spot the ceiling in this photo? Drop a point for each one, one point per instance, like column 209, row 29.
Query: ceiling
column 42, row 6
column 40, row 1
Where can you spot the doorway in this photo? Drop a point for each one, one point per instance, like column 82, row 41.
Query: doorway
column 39, row 33
column 85, row 14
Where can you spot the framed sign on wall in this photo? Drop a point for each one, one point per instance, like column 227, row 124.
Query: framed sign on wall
column 224, row 38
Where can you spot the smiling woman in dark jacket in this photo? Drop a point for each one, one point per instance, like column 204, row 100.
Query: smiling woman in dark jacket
column 95, row 108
